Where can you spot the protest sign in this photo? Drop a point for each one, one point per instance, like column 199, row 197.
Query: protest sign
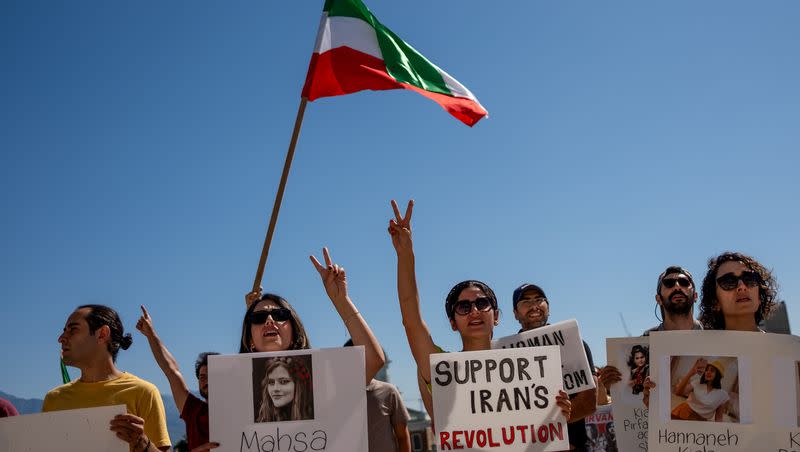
column 84, row 429
column 574, row 363
column 724, row 391
column 302, row 400
column 600, row 431
column 498, row 400
column 631, row 356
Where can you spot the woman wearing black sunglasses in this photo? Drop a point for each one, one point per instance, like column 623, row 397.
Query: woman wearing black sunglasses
column 738, row 292
column 271, row 324
column 471, row 307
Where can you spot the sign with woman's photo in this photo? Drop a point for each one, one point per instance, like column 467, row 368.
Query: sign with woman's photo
column 724, row 391
column 499, row 400
column 566, row 335
column 631, row 355
column 289, row 401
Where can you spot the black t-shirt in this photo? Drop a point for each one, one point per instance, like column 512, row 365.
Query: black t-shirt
column 577, row 429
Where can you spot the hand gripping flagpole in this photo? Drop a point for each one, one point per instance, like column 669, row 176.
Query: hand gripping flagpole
column 298, row 122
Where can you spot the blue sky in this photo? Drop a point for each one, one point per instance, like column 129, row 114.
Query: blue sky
column 142, row 145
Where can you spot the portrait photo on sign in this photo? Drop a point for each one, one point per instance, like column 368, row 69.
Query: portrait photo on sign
column 283, row 389
column 705, row 388
column 638, row 367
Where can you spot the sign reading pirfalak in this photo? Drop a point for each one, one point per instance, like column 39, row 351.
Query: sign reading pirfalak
column 574, row 364
column 295, row 401
column 500, row 400
column 724, row 391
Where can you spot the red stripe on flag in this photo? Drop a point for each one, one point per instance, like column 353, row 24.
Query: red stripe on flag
column 465, row 110
column 343, row 71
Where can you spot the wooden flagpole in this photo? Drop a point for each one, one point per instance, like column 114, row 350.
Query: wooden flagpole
column 279, row 196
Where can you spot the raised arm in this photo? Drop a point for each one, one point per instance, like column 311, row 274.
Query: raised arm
column 419, row 337
column 165, row 360
column 680, row 388
column 335, row 282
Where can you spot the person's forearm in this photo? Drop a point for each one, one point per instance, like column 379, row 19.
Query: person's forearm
column 682, row 385
column 169, row 366
column 583, row 404
column 361, row 334
column 403, row 441
column 417, row 333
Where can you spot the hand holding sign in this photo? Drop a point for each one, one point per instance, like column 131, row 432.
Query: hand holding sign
column 130, row 429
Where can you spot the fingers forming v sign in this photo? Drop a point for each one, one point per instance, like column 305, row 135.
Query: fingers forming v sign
column 333, row 276
column 400, row 226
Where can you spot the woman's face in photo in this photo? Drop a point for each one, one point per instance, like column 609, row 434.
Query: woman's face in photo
column 280, row 387
column 639, row 359
column 742, row 300
column 271, row 336
column 711, row 373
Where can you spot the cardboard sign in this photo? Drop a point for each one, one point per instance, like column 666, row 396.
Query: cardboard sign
column 600, row 430
column 302, row 400
column 499, row 400
column 85, row 429
column 724, row 391
column 631, row 356
column 575, row 365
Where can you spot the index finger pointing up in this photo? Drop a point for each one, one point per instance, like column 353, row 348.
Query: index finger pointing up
column 144, row 312
column 327, row 257
column 409, row 209
column 396, row 209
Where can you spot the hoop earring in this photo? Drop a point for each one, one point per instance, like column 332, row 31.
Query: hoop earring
column 655, row 312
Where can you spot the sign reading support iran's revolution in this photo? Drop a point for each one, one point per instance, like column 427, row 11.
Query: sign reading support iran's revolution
column 84, row 429
column 303, row 400
column 631, row 356
column 498, row 400
column 724, row 391
column 574, row 363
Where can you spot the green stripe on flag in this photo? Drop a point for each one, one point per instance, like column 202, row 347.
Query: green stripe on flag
column 402, row 61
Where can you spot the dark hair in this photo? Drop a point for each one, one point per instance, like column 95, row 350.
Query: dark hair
column 99, row 316
column 202, row 360
column 670, row 270
column 638, row 349
column 710, row 312
column 452, row 296
column 717, row 381
column 299, row 339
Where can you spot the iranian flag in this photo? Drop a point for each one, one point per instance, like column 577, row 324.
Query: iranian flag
column 355, row 52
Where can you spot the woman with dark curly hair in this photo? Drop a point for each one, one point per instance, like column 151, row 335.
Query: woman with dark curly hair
column 639, row 363
column 286, row 394
column 738, row 292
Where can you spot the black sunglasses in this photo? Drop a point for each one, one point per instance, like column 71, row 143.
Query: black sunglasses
column 729, row 281
column 669, row 283
column 278, row 315
column 464, row 307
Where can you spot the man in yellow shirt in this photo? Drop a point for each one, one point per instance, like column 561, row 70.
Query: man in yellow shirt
column 91, row 340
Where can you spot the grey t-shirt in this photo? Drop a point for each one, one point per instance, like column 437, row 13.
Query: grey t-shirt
column 385, row 409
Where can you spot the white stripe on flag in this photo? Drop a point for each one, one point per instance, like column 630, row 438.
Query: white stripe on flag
column 350, row 32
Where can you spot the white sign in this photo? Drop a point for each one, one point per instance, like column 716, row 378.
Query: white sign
column 724, row 391
column 302, row 400
column 85, row 429
column 574, row 363
column 631, row 356
column 498, row 400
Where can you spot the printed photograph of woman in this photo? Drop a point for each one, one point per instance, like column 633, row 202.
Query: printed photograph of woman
column 639, row 364
column 705, row 388
column 283, row 389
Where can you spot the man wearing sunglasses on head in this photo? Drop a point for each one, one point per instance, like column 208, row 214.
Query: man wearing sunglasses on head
column 675, row 297
column 532, row 310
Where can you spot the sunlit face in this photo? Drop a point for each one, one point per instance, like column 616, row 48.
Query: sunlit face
column 78, row 346
column 271, row 336
column 476, row 324
column 741, row 301
column 710, row 373
column 677, row 299
column 280, row 386
column 202, row 380
column 532, row 310
column 639, row 359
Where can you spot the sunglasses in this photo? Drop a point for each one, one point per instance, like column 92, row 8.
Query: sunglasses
column 464, row 307
column 278, row 315
column 729, row 281
column 669, row 283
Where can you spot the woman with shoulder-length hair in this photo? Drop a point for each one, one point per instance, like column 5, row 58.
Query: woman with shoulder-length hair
column 706, row 400
column 738, row 293
column 639, row 364
column 471, row 307
column 286, row 393
column 271, row 324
